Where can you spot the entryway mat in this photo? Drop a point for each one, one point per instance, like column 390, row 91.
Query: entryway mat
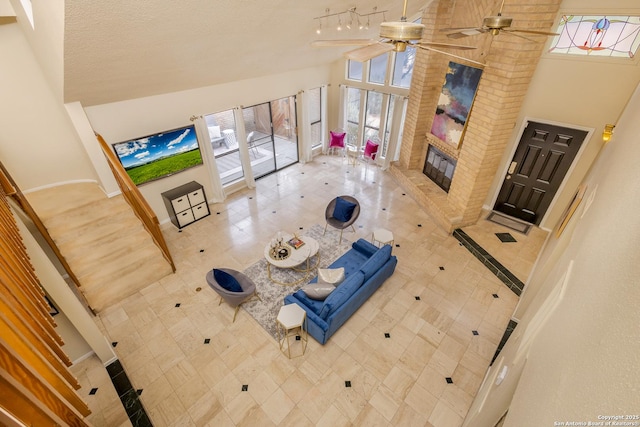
column 507, row 221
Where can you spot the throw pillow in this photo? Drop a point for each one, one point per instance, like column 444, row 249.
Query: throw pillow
column 343, row 210
column 333, row 276
column 337, row 139
column 226, row 280
column 214, row 132
column 318, row 291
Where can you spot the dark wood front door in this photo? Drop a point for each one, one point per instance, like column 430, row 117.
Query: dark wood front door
column 542, row 159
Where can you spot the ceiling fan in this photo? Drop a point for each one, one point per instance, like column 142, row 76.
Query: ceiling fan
column 394, row 36
column 494, row 25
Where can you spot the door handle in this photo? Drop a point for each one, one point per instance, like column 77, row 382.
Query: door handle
column 512, row 167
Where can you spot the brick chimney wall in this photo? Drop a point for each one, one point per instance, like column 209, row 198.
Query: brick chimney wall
column 510, row 64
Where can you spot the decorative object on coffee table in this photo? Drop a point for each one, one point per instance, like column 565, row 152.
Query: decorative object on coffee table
column 280, row 254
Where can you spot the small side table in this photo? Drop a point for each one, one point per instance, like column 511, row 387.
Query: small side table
column 291, row 322
column 352, row 155
column 382, row 237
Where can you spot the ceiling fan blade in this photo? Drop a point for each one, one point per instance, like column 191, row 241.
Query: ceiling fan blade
column 344, row 42
column 449, row 45
column 512, row 33
column 449, row 54
column 365, row 53
column 458, row 29
column 466, row 33
column 534, row 32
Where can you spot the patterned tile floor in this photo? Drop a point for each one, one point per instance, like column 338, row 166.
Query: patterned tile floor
column 414, row 354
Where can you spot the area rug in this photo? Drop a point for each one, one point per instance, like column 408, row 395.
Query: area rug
column 272, row 294
column 507, row 221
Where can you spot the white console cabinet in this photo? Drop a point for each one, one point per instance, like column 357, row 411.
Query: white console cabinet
column 186, row 204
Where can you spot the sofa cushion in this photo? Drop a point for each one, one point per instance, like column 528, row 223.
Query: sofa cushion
column 376, row 261
column 343, row 210
column 341, row 294
column 226, row 280
column 332, row 276
column 365, row 248
column 318, row 291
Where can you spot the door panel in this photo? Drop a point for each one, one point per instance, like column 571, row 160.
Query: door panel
column 271, row 136
column 541, row 161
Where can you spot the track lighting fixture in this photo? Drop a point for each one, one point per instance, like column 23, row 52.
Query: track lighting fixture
column 353, row 19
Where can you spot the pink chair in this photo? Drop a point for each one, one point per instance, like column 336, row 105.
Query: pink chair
column 337, row 140
column 370, row 151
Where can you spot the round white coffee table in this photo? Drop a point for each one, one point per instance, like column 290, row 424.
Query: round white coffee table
column 292, row 259
column 314, row 249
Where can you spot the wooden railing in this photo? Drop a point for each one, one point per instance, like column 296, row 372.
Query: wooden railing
column 12, row 189
column 35, row 385
column 139, row 205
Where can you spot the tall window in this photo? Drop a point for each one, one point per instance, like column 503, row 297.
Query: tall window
column 354, row 71
column 387, row 128
column 315, row 116
column 403, row 67
column 353, row 115
column 372, row 116
column 391, row 74
column 378, row 69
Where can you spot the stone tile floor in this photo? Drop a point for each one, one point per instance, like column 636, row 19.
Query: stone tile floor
column 414, row 354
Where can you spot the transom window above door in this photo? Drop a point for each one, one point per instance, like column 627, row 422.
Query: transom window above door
column 597, row 35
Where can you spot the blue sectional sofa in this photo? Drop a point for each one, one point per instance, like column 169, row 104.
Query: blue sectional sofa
column 366, row 267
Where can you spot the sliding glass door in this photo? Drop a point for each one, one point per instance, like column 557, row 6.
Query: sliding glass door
column 271, row 135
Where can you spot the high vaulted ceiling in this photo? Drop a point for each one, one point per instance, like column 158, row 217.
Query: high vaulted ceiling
column 117, row 50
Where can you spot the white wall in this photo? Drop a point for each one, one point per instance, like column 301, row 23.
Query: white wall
column 581, row 92
column 584, row 360
column 38, row 145
column 125, row 120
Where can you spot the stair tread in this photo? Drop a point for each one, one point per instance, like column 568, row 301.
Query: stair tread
column 53, row 201
column 87, row 257
column 103, row 210
column 117, row 273
column 107, row 291
column 103, row 231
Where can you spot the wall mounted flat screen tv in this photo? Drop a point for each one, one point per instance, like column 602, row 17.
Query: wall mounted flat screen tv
column 159, row 155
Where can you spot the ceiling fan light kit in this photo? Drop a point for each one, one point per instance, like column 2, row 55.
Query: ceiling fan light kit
column 401, row 30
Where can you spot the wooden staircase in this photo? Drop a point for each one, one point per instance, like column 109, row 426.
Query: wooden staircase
column 103, row 241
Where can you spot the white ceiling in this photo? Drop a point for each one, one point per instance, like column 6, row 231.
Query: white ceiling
column 117, row 50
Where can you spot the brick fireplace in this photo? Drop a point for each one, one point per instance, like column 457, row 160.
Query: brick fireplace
column 510, row 64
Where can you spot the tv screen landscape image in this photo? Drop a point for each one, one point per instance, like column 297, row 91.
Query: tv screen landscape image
column 156, row 156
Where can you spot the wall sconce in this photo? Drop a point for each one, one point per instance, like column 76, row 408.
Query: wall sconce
column 607, row 132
